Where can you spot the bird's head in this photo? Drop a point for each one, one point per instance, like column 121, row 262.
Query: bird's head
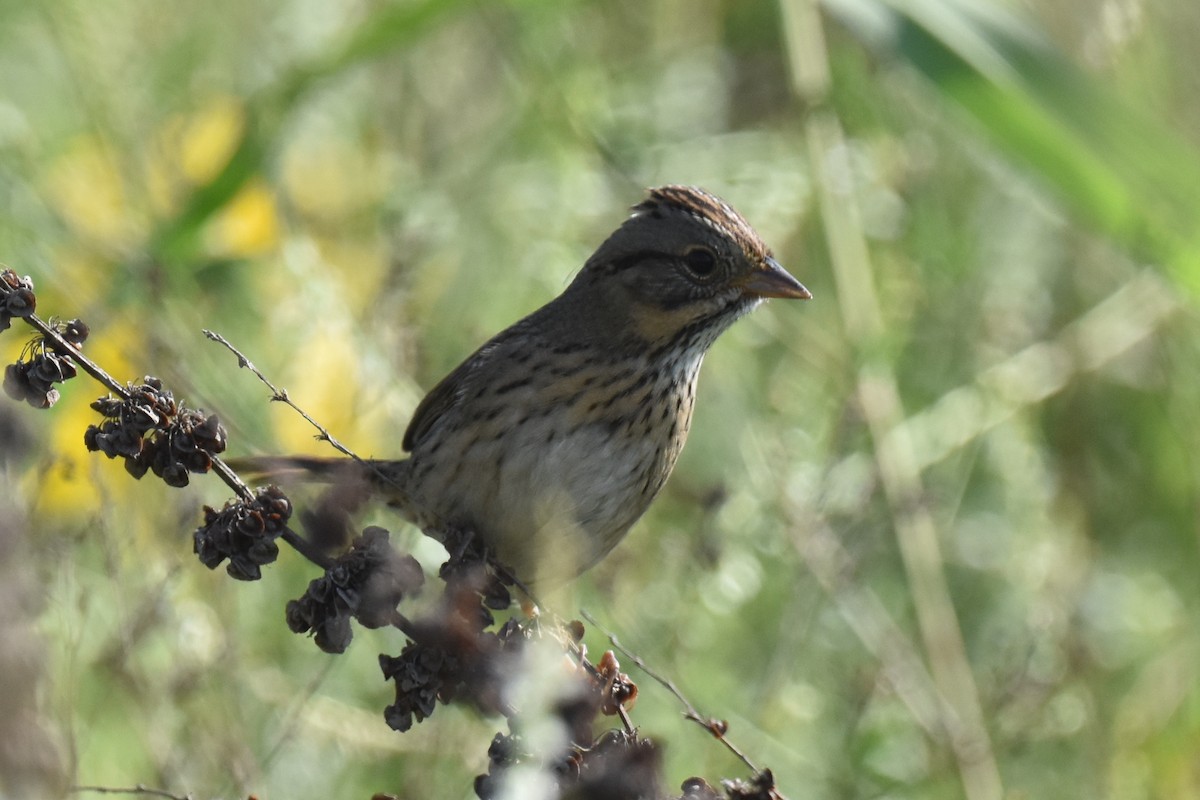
column 684, row 262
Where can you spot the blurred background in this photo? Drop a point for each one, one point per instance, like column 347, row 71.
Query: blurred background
column 935, row 533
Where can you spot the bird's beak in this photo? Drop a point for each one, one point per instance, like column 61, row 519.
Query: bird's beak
column 772, row 280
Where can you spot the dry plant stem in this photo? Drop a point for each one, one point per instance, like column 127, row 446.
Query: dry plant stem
column 61, row 345
column 281, row 396
column 227, row 475
column 302, row 546
column 690, row 711
column 625, row 720
column 136, row 790
column 916, row 532
column 403, row 624
column 579, row 651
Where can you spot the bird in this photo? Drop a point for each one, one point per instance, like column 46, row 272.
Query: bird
column 551, row 440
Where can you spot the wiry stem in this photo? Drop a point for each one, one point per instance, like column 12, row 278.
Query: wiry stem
column 63, row 347
column 134, row 790
column 714, row 726
column 281, row 396
column 227, row 475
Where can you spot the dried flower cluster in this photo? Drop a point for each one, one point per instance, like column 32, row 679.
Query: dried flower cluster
column 16, row 297
column 153, row 433
column 42, row 364
column 759, row 787
column 451, row 654
column 244, row 532
column 366, row 583
column 617, row 765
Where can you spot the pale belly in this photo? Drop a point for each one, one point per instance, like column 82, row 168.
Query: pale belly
column 549, row 493
column 551, row 509
column 577, row 497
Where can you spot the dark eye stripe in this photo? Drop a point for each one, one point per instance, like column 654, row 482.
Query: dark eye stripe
column 632, row 259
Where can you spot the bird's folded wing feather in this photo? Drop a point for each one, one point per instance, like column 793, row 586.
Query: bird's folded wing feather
column 445, row 396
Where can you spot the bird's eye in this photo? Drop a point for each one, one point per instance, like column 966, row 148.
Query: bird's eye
column 700, row 261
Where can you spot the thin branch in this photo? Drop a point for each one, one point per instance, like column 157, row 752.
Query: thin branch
column 65, row 348
column 403, row 624
column 714, row 726
column 138, row 789
column 281, row 396
column 306, row 548
column 230, row 478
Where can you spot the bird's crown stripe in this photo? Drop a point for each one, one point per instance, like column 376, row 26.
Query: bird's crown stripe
column 708, row 209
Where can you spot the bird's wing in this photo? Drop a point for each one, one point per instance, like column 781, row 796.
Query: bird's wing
column 440, row 399
column 463, row 384
column 445, row 396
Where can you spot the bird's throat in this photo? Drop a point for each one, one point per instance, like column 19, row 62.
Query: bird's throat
column 657, row 327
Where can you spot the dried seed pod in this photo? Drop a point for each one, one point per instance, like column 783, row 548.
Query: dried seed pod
column 155, row 434
column 75, row 332
column 367, row 583
column 16, row 297
column 244, row 532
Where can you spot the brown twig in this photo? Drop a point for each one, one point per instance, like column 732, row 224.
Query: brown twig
column 227, row 475
column 63, row 347
column 715, row 727
column 138, row 789
column 281, row 396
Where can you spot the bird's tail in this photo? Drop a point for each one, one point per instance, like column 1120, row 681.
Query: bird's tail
column 351, row 484
column 383, row 477
column 292, row 468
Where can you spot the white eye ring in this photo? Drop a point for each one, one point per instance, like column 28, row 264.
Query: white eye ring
column 700, row 262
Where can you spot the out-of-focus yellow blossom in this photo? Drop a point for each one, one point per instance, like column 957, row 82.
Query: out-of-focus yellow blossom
column 248, row 225
column 207, row 139
column 323, row 384
column 73, row 486
column 83, row 185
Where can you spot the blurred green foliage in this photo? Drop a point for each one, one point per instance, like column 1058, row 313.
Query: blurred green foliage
column 357, row 194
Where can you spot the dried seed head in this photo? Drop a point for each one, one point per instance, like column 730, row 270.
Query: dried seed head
column 244, row 532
